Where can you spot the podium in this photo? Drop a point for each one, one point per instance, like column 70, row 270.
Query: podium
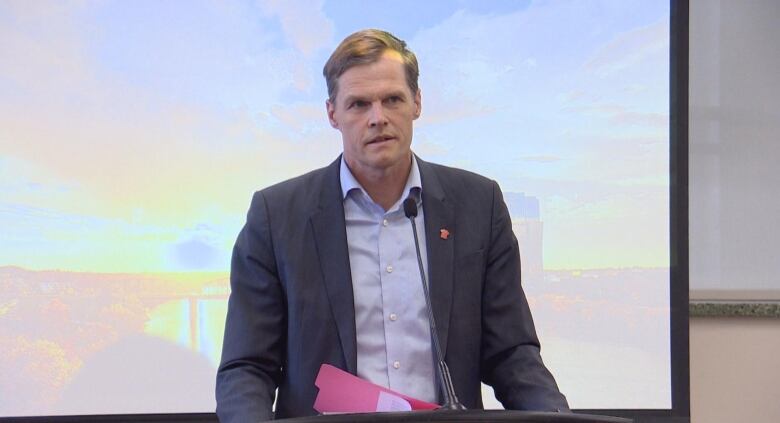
column 466, row 416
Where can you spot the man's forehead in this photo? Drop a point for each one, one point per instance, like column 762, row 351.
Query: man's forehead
column 386, row 75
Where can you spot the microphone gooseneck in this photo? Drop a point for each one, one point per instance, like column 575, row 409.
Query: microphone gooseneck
column 450, row 398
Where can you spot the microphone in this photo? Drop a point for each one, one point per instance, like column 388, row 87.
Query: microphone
column 450, row 399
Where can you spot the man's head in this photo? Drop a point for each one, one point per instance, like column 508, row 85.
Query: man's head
column 373, row 101
column 365, row 47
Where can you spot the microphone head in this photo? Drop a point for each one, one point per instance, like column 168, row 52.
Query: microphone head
column 410, row 207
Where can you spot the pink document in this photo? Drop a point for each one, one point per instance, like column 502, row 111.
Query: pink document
column 342, row 392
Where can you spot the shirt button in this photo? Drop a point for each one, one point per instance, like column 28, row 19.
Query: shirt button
column 384, row 222
column 389, row 269
column 396, row 364
column 393, row 317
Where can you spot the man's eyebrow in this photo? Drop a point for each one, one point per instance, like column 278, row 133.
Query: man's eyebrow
column 351, row 98
column 398, row 93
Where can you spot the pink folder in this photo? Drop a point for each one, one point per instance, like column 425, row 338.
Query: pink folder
column 342, row 392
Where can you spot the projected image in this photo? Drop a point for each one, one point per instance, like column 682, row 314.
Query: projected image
column 133, row 134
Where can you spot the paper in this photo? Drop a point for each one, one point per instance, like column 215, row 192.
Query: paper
column 390, row 402
column 342, row 392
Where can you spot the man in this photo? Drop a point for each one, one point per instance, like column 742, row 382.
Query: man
column 325, row 269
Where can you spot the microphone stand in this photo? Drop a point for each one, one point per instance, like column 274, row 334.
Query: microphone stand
column 450, row 398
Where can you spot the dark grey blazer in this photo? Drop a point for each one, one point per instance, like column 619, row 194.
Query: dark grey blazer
column 291, row 306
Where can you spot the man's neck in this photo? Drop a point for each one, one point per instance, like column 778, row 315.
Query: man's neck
column 384, row 186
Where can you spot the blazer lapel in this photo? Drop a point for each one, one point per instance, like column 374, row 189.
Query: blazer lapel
column 439, row 215
column 330, row 236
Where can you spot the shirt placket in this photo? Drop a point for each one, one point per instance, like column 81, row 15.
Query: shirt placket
column 389, row 276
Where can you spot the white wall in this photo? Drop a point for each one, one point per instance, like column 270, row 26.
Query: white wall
column 734, row 145
column 735, row 206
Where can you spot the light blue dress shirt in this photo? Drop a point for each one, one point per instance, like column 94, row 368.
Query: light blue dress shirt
column 393, row 337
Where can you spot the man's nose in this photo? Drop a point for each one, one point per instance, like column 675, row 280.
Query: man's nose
column 377, row 117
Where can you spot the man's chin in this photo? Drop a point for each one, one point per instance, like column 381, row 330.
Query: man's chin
column 381, row 162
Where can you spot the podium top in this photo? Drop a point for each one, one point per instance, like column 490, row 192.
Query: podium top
column 475, row 416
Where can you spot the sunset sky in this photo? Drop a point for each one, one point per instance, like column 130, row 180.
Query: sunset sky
column 132, row 134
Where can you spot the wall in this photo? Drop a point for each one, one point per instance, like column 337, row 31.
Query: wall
column 734, row 145
column 735, row 367
column 734, row 207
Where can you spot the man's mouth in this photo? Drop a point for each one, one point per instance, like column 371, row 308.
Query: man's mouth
column 380, row 139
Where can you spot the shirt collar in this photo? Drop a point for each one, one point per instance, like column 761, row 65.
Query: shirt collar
column 349, row 183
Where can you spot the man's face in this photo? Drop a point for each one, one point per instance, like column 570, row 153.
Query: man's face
column 374, row 110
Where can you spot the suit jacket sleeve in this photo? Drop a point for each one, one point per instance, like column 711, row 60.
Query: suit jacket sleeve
column 255, row 328
column 511, row 360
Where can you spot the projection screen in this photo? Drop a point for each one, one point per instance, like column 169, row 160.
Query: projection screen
column 132, row 135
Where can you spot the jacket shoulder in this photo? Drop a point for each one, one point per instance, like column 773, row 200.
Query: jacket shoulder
column 299, row 193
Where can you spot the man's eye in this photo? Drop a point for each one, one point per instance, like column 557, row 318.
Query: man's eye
column 358, row 103
column 395, row 99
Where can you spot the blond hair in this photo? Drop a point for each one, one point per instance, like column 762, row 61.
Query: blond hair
column 365, row 47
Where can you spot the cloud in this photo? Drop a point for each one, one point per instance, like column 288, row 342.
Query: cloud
column 46, row 238
column 655, row 120
column 461, row 68
column 474, row 65
column 300, row 116
column 573, row 96
column 428, row 148
column 630, row 49
column 125, row 149
column 196, row 254
column 540, row 159
column 165, row 133
column 439, row 110
column 634, row 89
column 643, row 161
column 304, row 24
column 40, row 45
column 620, row 115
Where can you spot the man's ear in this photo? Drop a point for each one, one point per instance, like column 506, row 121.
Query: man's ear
column 331, row 109
column 417, row 104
